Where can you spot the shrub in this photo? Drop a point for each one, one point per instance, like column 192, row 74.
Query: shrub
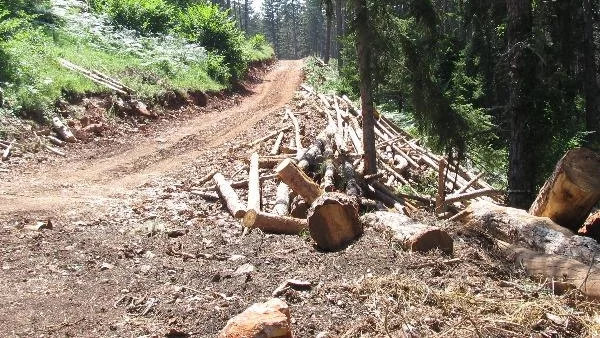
column 207, row 25
column 145, row 16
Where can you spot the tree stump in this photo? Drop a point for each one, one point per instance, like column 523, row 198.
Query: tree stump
column 333, row 221
column 411, row 235
column 571, row 192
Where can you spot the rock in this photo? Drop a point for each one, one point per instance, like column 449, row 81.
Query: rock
column 262, row 320
column 244, row 269
column 177, row 233
column 41, row 225
column 106, row 266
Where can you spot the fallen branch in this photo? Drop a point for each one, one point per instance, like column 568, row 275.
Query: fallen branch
column 232, row 201
column 271, row 135
column 472, row 195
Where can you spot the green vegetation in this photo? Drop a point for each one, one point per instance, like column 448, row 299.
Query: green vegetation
column 150, row 45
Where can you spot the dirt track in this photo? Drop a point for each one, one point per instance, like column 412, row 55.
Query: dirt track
column 98, row 176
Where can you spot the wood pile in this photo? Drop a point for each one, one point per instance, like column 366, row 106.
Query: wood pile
column 320, row 189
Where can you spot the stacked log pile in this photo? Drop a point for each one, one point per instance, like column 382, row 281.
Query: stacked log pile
column 320, row 189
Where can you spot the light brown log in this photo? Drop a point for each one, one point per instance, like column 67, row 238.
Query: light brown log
column 63, row 131
column 382, row 193
column 207, row 177
column 298, row 138
column 277, row 145
column 470, row 183
column 410, row 234
column 333, row 221
column 282, row 200
column 562, row 270
column 56, row 141
column 232, row 201
column 55, row 151
column 269, row 136
column 516, row 226
column 297, row 180
column 272, row 223
column 253, row 184
column 569, row 194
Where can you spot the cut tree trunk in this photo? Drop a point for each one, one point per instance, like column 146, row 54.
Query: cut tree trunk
column 591, row 227
column 297, row 180
column 571, row 192
column 277, row 145
column 63, row 131
column 282, row 200
column 274, row 223
column 253, row 184
column 411, row 235
column 562, row 270
column 516, row 226
column 232, row 201
column 333, row 221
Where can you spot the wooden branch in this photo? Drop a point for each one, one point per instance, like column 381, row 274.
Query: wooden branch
column 94, row 77
column 243, row 183
column 277, row 145
column 470, row 183
column 297, row 180
column 55, row 151
column 232, row 201
column 441, row 193
column 298, row 138
column 356, row 142
column 274, row 223
column 471, row 195
column 269, row 136
column 282, row 200
column 56, row 141
column 253, row 184
column 211, row 196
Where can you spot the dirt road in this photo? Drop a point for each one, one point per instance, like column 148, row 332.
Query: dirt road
column 98, row 176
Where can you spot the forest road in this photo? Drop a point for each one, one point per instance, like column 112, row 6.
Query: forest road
column 99, row 176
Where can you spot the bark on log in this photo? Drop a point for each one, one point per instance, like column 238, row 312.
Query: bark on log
column 333, row 221
column 299, row 208
column 441, row 193
column 569, row 194
column 282, row 200
column 271, row 135
column 297, row 180
column 63, row 131
column 313, row 153
column 297, row 138
column 56, row 141
column 540, row 233
column 274, row 223
column 591, row 227
column 544, row 267
column 232, row 201
column 253, row 184
column 410, row 234
column 471, row 195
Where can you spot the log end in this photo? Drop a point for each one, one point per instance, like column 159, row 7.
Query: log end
column 249, row 218
column 430, row 239
column 333, row 221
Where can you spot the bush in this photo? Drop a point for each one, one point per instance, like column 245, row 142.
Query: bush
column 207, row 25
column 145, row 16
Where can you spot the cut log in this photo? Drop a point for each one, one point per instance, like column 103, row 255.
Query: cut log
column 562, row 270
column 63, row 131
column 472, row 195
column 232, row 201
column 56, row 141
column 470, row 183
column 55, row 151
column 569, row 194
column 298, row 138
column 333, row 221
column 243, row 183
column 441, row 193
column 349, row 176
column 297, row 180
column 271, row 223
column 540, row 233
column 313, row 153
column 277, row 145
column 356, row 142
column 253, row 184
column 282, row 200
column 299, row 208
column 410, row 234
column 207, row 177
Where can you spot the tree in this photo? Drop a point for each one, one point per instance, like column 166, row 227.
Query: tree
column 339, row 31
column 363, row 52
column 329, row 24
column 521, row 107
column 590, row 71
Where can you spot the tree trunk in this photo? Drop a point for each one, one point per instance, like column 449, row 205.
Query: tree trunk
column 282, row 200
column 329, row 24
column 522, row 62
column 297, row 180
column 246, row 15
column 590, row 81
column 254, row 184
column 571, row 192
column 540, row 233
column 333, row 221
column 412, row 236
column 363, row 50
column 339, row 32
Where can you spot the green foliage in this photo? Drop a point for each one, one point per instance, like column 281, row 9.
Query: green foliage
column 325, row 79
column 258, row 49
column 207, row 25
column 145, row 16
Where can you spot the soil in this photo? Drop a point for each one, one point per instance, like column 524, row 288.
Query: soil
column 133, row 252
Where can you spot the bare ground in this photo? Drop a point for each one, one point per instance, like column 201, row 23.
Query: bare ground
column 108, row 268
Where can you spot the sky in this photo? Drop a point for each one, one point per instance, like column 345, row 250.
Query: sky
column 256, row 5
